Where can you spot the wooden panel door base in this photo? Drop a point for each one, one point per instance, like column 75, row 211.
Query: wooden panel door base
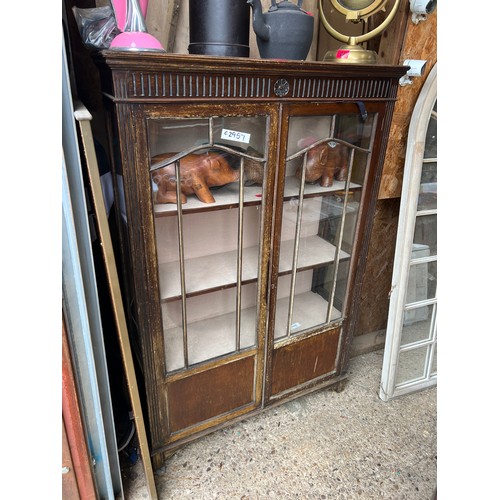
column 305, row 360
column 207, row 394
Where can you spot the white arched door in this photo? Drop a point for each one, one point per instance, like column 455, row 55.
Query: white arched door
column 410, row 356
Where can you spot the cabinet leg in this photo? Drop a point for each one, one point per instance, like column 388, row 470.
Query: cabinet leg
column 340, row 385
column 157, row 460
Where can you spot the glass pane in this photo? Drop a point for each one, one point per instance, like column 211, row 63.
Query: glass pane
column 422, row 282
column 427, row 198
column 411, row 365
column 175, row 135
column 211, row 326
column 319, row 219
column 417, row 325
column 353, row 129
column 305, row 130
column 208, row 255
column 247, row 135
column 431, row 137
column 309, row 308
column 335, row 227
column 425, row 233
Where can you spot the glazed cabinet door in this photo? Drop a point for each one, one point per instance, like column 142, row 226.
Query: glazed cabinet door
column 325, row 172
column 211, row 184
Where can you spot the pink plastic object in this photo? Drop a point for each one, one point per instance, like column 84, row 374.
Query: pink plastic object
column 120, row 8
column 135, row 35
column 135, row 40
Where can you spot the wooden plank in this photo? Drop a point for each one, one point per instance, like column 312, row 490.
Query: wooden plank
column 69, row 484
column 393, row 37
column 162, row 20
column 83, row 117
column 312, row 7
column 374, row 297
column 420, row 43
column 75, row 452
column 181, row 39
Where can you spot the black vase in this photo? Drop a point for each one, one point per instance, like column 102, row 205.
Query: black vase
column 219, row 27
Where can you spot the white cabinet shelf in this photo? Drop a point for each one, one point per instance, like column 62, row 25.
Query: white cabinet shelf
column 201, row 277
column 225, row 196
column 228, row 196
column 292, row 188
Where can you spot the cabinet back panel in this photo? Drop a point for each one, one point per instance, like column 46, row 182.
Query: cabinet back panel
column 305, row 360
column 211, row 393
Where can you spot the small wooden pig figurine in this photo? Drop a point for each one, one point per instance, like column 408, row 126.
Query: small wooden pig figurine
column 198, row 172
column 325, row 163
column 253, row 171
column 339, row 156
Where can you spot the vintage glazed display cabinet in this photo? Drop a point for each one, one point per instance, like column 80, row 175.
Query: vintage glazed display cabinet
column 250, row 187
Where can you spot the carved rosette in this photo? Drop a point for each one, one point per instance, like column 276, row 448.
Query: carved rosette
column 281, row 87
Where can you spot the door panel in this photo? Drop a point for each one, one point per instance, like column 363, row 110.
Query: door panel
column 211, row 182
column 300, row 362
column 410, row 362
column 324, row 172
column 210, row 393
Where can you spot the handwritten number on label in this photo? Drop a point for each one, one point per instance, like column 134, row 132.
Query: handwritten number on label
column 234, row 135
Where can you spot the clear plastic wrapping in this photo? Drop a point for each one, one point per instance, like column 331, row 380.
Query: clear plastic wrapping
column 97, row 26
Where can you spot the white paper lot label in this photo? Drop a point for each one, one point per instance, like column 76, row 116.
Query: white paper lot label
column 234, row 135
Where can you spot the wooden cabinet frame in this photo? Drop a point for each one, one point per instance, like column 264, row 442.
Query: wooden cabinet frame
column 188, row 402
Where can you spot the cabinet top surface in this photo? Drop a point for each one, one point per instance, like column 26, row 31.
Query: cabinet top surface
column 159, row 61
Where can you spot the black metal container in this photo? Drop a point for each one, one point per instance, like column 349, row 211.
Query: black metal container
column 219, row 27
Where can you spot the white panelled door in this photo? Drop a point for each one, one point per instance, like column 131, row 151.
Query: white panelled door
column 410, row 356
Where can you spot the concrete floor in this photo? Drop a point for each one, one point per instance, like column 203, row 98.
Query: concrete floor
column 325, row 445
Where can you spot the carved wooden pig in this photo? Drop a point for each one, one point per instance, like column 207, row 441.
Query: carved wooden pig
column 317, row 166
column 253, row 171
column 198, row 172
column 339, row 156
column 325, row 163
